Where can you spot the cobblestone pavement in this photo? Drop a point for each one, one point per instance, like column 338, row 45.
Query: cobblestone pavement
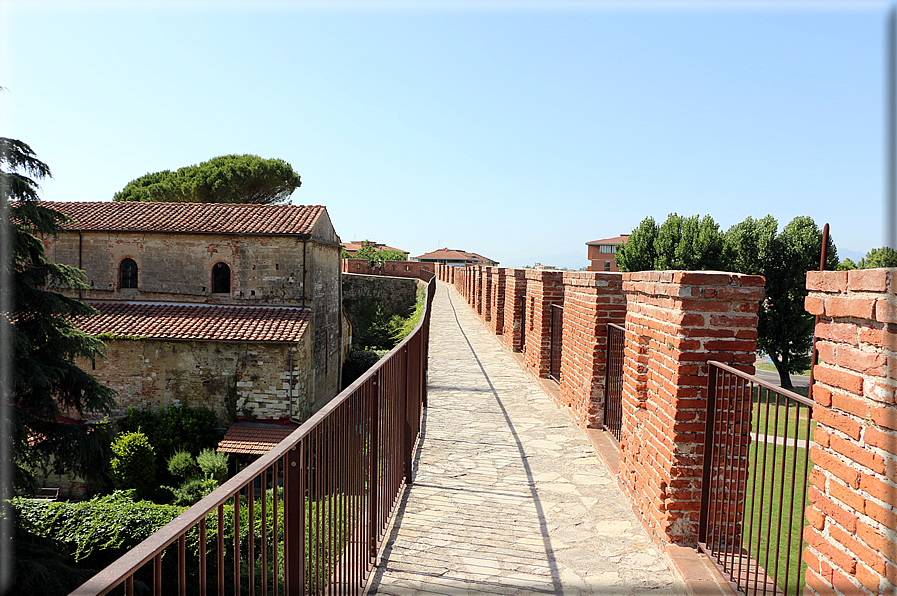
column 508, row 496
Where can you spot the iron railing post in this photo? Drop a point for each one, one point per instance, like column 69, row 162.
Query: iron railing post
column 373, row 476
column 708, row 454
column 294, row 520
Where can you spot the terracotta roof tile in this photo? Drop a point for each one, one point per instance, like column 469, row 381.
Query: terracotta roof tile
column 454, row 255
column 209, row 218
column 200, row 322
column 253, row 440
column 618, row 240
column 354, row 247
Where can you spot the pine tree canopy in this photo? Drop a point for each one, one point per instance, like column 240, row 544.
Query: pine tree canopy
column 224, row 179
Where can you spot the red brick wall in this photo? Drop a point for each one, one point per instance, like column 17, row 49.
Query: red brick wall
column 591, row 301
column 675, row 322
column 478, row 289
column 852, row 531
column 543, row 288
column 487, row 295
column 390, row 268
column 497, row 306
column 515, row 299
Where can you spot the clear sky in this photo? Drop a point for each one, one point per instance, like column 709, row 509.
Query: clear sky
column 517, row 130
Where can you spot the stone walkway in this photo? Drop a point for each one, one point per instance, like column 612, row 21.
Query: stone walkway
column 508, row 496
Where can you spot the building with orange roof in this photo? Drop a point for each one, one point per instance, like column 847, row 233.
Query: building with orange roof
column 353, row 247
column 454, row 257
column 229, row 306
column 603, row 253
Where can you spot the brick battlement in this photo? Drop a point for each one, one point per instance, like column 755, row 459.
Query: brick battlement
column 675, row 321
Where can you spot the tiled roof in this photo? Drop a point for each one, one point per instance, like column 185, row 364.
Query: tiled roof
column 200, row 322
column 449, row 254
column 618, row 240
column 353, row 247
column 209, row 218
column 253, row 440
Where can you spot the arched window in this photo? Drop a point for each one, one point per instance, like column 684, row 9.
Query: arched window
column 221, row 278
column 127, row 274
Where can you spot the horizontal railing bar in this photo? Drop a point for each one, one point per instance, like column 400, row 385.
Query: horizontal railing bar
column 107, row 579
column 615, row 326
column 762, row 383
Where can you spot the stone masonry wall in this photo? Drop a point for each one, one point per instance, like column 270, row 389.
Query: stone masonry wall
column 390, row 268
column 852, row 515
column 675, row 322
column 151, row 374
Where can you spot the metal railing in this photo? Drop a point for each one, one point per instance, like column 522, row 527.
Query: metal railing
column 308, row 516
column 613, row 381
column 756, row 464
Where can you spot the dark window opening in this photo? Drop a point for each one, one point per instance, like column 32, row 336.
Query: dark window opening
column 607, row 265
column 128, row 274
column 220, row 279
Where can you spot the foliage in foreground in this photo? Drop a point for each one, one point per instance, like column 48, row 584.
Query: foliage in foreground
column 44, row 337
column 89, row 535
column 224, row 179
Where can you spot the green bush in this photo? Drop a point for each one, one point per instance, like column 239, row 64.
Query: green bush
column 193, row 490
column 134, row 464
column 182, row 464
column 173, row 429
column 213, row 464
column 357, row 362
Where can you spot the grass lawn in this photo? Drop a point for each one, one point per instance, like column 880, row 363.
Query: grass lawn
column 773, row 532
column 778, row 415
column 771, row 367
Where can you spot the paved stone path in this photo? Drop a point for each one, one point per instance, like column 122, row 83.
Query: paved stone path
column 508, row 496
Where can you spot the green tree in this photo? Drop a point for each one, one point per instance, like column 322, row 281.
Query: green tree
column 366, row 252
column 785, row 329
column 637, row 253
column 688, row 243
column 390, row 254
column 45, row 341
column 224, row 179
column 878, row 258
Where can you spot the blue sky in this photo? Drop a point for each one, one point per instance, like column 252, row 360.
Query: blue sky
column 517, row 130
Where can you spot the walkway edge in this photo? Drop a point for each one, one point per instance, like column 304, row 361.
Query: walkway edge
column 696, row 573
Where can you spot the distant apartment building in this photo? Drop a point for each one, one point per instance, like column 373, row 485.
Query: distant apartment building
column 603, row 253
column 454, row 258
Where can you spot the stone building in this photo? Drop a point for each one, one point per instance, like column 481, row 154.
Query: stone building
column 229, row 306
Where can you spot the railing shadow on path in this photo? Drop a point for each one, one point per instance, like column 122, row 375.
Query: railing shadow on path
column 556, row 583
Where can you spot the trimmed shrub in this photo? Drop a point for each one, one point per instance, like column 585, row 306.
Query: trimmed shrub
column 134, row 464
column 213, row 464
column 182, row 464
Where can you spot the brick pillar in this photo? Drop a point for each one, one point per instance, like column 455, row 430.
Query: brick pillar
column 498, row 300
column 515, row 300
column 543, row 288
column 471, row 284
column 591, row 301
column 478, row 290
column 675, row 322
column 852, row 531
column 487, row 295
